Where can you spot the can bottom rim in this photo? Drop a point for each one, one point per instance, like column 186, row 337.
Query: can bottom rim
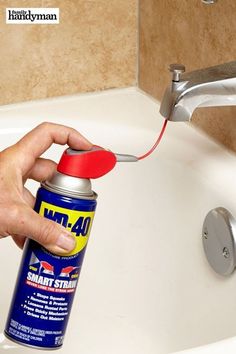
column 29, row 345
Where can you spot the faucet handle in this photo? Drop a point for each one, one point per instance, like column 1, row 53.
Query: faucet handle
column 176, row 70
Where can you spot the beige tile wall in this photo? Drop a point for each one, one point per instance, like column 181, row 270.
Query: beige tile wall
column 197, row 35
column 93, row 48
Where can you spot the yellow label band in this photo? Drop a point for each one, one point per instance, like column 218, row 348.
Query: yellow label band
column 79, row 223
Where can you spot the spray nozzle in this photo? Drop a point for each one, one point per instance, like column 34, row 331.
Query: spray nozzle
column 92, row 163
column 97, row 162
column 126, row 158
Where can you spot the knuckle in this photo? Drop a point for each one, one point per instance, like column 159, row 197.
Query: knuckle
column 15, row 216
column 5, row 155
column 45, row 125
column 14, row 212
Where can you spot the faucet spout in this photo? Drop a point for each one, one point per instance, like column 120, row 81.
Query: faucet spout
column 209, row 87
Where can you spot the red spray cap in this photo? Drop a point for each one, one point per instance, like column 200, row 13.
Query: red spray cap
column 97, row 162
column 92, row 163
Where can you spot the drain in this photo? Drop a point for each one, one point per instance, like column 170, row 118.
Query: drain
column 219, row 240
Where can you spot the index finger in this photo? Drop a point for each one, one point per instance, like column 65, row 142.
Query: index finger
column 38, row 140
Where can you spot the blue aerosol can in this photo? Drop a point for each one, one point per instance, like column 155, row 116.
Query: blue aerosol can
column 46, row 282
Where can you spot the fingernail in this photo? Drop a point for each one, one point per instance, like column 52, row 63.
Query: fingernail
column 66, row 241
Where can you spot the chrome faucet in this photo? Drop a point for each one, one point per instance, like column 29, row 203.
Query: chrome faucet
column 209, row 87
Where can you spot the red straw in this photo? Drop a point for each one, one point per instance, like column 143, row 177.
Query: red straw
column 156, row 143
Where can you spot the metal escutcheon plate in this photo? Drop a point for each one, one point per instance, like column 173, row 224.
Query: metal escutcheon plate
column 219, row 240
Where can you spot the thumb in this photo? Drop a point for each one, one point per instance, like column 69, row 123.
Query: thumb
column 49, row 234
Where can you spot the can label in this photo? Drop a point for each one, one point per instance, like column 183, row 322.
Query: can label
column 46, row 282
column 79, row 224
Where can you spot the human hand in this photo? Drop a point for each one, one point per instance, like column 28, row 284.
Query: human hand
column 20, row 162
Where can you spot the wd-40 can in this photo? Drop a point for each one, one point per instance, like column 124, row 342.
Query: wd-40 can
column 46, row 282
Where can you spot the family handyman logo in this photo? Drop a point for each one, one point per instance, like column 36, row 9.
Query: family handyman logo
column 32, row 15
